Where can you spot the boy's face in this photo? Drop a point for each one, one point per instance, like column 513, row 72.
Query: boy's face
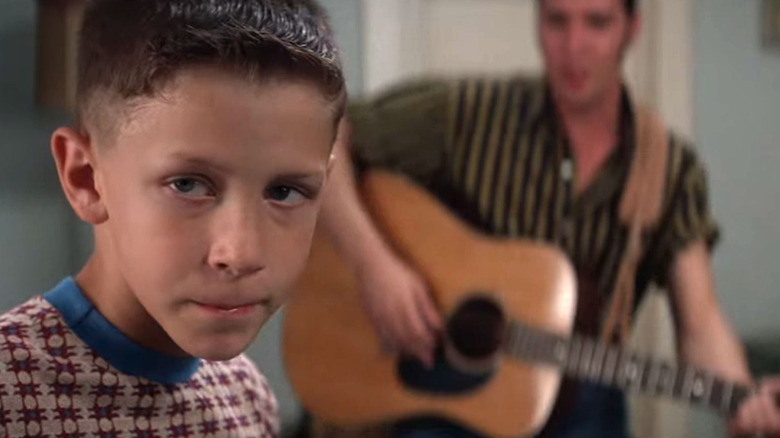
column 583, row 42
column 211, row 194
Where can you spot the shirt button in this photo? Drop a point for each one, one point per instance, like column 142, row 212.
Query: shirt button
column 567, row 170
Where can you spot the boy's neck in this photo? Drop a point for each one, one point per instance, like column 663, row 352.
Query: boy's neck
column 120, row 307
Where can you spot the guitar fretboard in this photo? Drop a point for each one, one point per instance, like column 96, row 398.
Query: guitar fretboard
column 590, row 360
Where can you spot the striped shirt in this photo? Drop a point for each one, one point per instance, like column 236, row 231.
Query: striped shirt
column 493, row 150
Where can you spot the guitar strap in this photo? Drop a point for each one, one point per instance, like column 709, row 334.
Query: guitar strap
column 640, row 208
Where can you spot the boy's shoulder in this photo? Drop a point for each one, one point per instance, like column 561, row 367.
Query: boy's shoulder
column 34, row 340
column 34, row 310
column 33, row 344
column 27, row 331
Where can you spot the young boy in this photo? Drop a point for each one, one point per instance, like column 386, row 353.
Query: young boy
column 203, row 141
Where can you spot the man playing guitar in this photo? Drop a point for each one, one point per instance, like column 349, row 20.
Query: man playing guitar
column 544, row 159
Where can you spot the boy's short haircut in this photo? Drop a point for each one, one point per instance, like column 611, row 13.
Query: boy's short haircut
column 131, row 49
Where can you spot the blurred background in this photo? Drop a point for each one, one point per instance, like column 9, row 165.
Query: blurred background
column 710, row 67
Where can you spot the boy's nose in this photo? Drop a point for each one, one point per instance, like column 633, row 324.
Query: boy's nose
column 235, row 269
column 237, row 250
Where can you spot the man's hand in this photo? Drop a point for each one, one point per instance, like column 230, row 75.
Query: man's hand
column 397, row 301
column 759, row 415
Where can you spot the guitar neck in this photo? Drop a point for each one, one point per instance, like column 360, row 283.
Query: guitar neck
column 587, row 359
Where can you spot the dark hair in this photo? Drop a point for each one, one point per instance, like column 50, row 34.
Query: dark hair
column 631, row 6
column 132, row 48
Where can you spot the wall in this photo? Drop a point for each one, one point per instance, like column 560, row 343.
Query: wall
column 737, row 98
column 737, row 129
column 458, row 39
column 34, row 220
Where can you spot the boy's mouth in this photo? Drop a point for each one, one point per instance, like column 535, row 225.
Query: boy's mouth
column 227, row 309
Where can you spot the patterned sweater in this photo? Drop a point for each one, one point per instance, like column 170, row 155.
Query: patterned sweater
column 65, row 371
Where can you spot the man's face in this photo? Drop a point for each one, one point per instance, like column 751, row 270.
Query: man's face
column 583, row 42
column 212, row 195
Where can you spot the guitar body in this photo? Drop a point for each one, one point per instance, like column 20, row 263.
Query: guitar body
column 333, row 357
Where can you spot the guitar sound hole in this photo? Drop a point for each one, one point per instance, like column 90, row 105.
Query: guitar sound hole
column 442, row 379
column 476, row 329
column 475, row 332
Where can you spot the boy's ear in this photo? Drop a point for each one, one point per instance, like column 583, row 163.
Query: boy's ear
column 75, row 161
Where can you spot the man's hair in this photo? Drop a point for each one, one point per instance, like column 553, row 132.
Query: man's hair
column 631, row 6
column 133, row 48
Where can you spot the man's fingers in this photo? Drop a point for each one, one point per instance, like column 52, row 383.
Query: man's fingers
column 758, row 415
column 770, row 384
column 418, row 336
column 771, row 415
column 743, row 420
column 429, row 312
column 386, row 344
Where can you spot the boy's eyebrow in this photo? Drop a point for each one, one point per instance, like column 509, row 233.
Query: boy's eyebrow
column 196, row 161
column 299, row 175
column 314, row 179
column 314, row 175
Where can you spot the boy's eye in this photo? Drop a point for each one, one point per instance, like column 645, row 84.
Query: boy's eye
column 285, row 194
column 190, row 187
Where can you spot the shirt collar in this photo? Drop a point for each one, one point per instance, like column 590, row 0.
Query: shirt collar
column 107, row 341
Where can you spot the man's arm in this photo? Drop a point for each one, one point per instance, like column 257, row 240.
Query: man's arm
column 706, row 339
column 403, row 129
column 394, row 295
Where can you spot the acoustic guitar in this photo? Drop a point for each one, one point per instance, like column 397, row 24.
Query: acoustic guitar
column 509, row 307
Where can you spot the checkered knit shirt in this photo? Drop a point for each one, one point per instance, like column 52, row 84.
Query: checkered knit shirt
column 66, row 372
